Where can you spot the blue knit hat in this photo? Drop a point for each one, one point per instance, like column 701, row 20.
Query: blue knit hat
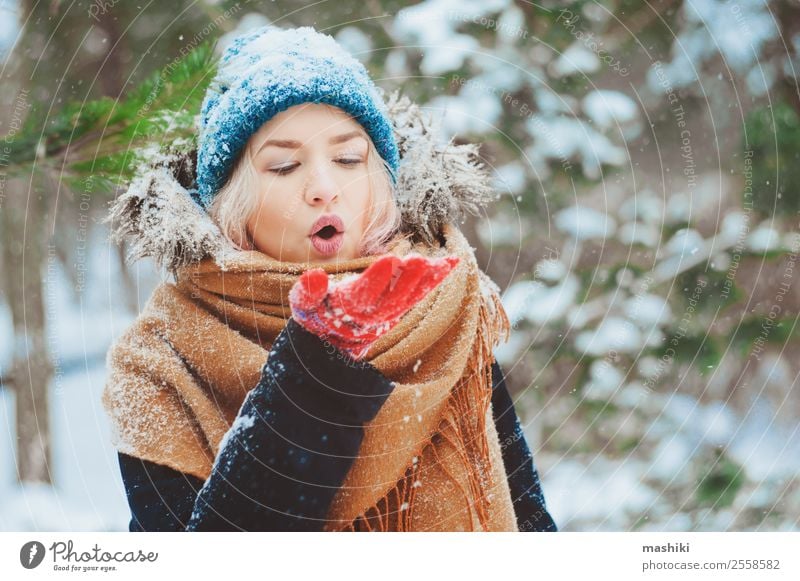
column 269, row 70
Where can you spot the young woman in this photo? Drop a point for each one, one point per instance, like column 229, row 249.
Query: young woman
column 323, row 360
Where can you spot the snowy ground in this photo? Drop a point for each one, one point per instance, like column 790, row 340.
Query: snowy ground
column 88, row 493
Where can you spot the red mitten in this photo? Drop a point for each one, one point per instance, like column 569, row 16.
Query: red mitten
column 352, row 314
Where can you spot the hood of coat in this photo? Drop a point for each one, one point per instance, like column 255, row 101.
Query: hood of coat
column 437, row 183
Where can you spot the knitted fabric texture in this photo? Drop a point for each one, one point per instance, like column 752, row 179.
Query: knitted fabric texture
column 430, row 460
column 269, row 70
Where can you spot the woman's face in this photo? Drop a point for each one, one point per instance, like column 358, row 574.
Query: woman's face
column 311, row 162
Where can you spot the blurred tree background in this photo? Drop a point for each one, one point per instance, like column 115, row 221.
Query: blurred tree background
column 645, row 234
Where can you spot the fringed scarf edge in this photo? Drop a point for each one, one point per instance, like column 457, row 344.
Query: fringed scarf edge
column 394, row 511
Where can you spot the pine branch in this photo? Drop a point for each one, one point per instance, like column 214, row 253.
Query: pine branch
column 105, row 140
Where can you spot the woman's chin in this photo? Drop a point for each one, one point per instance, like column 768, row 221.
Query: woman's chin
column 314, row 255
column 326, row 259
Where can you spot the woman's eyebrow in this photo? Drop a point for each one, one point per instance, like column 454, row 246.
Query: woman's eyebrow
column 344, row 137
column 292, row 144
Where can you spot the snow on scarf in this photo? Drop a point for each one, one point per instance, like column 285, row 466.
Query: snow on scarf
column 430, row 459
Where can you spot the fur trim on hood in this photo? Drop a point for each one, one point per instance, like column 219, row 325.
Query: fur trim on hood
column 437, row 183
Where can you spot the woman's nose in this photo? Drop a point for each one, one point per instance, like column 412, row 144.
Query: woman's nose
column 321, row 187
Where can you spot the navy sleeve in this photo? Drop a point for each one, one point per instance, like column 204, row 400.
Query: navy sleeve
column 523, row 478
column 160, row 498
column 289, row 449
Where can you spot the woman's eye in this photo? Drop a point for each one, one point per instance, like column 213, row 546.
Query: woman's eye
column 349, row 160
column 284, row 169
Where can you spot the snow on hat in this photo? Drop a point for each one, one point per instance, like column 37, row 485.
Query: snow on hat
column 269, row 70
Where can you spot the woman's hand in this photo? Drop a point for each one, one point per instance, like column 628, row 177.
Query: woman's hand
column 352, row 314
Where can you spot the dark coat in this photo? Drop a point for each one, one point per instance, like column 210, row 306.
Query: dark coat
column 282, row 461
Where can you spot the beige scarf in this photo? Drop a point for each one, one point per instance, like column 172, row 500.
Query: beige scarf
column 429, row 461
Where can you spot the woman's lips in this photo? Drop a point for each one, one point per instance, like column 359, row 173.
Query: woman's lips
column 327, row 220
column 328, row 246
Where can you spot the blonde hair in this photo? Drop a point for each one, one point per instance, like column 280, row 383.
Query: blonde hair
column 235, row 201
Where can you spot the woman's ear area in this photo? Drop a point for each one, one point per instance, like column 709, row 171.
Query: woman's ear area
column 248, row 157
column 233, row 204
column 245, row 241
